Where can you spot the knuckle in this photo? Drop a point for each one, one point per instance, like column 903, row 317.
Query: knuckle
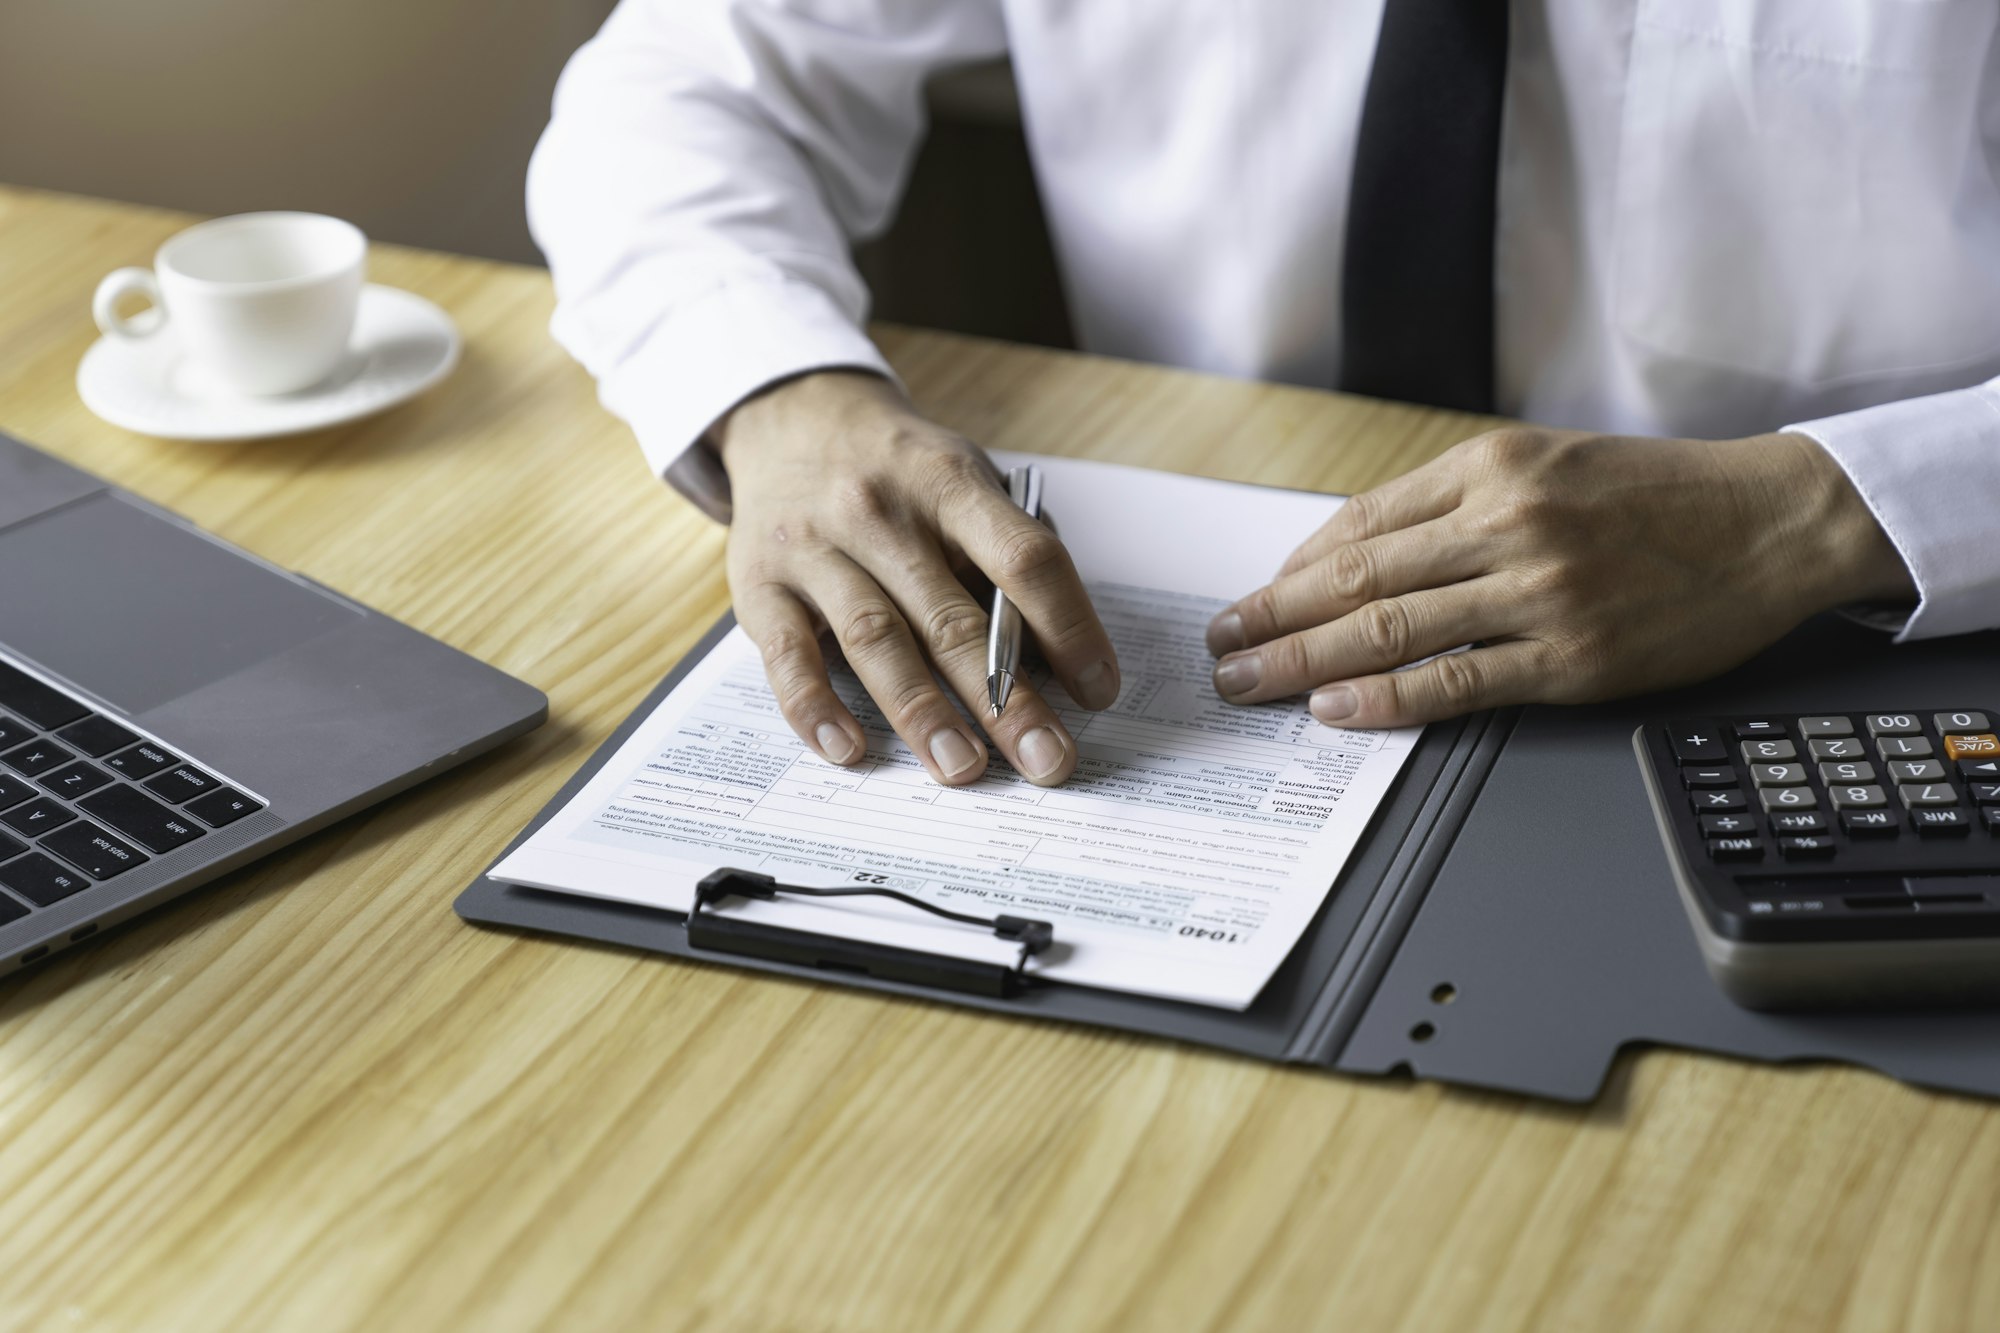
column 868, row 627
column 1350, row 574
column 864, row 500
column 1362, row 513
column 1506, row 449
column 1284, row 660
column 1386, row 629
column 1456, row 682
column 953, row 627
column 908, row 702
column 1259, row 612
column 1030, row 556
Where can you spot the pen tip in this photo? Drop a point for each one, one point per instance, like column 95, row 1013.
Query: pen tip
column 998, row 686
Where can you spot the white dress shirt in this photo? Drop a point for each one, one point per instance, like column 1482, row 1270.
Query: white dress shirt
column 1716, row 217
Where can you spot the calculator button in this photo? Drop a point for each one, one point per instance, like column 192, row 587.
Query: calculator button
column 1934, row 822
column 1928, row 793
column 1893, row 724
column 1736, row 849
column 1778, row 775
column 1869, row 823
column 1850, row 773
column 1865, row 797
column 1798, row 821
column 1979, row 770
column 1825, row 726
column 1991, row 816
column 1844, row 748
column 1759, row 728
column 1971, row 747
column 1717, row 802
column 1716, row 826
column 1806, row 848
column 1787, row 798
column 1961, row 722
column 1708, row 775
column 1985, row 793
column 1758, row 752
column 1696, row 743
column 1904, row 747
column 1916, row 770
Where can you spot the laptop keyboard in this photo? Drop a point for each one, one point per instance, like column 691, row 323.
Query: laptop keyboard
column 83, row 799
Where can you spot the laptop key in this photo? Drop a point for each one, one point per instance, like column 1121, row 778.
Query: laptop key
column 223, row 807
column 24, row 696
column 143, row 760
column 41, row 880
column 93, row 850
column 156, row 827
column 13, row 791
column 36, row 817
column 36, row 757
column 75, row 779
column 97, row 736
column 13, row 731
column 10, row 910
column 10, row 847
column 182, row 784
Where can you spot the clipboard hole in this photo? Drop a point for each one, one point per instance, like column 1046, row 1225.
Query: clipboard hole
column 1443, row 993
column 1423, row 1032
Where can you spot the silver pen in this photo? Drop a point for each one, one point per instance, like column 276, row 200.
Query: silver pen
column 1003, row 630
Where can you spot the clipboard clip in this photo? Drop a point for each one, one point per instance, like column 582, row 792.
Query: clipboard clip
column 757, row 939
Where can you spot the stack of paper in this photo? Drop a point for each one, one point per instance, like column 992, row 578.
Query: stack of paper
column 1184, row 859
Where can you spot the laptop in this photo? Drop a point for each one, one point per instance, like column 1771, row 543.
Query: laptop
column 172, row 707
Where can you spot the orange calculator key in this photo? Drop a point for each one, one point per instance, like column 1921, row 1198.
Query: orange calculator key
column 1967, row 747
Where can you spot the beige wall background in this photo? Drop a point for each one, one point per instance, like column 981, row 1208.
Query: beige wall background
column 416, row 118
column 412, row 117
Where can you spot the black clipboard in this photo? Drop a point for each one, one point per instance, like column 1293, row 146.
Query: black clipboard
column 1508, row 921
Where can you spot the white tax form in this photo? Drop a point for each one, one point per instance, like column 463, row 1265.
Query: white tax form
column 1184, row 858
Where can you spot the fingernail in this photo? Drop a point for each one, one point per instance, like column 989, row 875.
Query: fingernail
column 1040, row 752
column 834, row 743
column 1236, row 675
column 1225, row 633
column 953, row 753
column 1094, row 686
column 1335, row 703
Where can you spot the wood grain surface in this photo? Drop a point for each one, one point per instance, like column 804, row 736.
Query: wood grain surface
column 308, row 1097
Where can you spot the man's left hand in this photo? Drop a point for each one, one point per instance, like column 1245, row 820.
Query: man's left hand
column 1583, row 566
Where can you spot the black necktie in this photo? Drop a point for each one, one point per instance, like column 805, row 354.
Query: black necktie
column 1417, row 300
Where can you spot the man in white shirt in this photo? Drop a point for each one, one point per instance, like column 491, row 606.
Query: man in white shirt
column 1661, row 229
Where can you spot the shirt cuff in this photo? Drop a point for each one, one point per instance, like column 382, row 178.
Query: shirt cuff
column 713, row 352
column 1917, row 464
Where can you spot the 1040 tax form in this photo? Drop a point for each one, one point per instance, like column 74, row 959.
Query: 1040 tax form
column 1184, row 859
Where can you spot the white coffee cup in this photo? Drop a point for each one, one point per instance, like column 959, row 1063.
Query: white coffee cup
column 263, row 302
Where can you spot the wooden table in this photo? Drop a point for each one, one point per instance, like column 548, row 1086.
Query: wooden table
column 308, row 1097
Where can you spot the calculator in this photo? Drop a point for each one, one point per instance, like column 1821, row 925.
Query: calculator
column 1837, row 858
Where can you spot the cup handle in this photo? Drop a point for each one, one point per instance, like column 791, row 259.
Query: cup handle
column 115, row 288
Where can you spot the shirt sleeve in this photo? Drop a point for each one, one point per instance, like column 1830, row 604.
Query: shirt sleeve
column 1929, row 470
column 706, row 168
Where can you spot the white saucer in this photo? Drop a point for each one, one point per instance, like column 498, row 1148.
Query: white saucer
column 402, row 345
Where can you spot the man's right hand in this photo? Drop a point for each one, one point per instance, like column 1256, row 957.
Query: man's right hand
column 854, row 514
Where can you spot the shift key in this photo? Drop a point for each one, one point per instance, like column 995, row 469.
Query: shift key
column 156, row 827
